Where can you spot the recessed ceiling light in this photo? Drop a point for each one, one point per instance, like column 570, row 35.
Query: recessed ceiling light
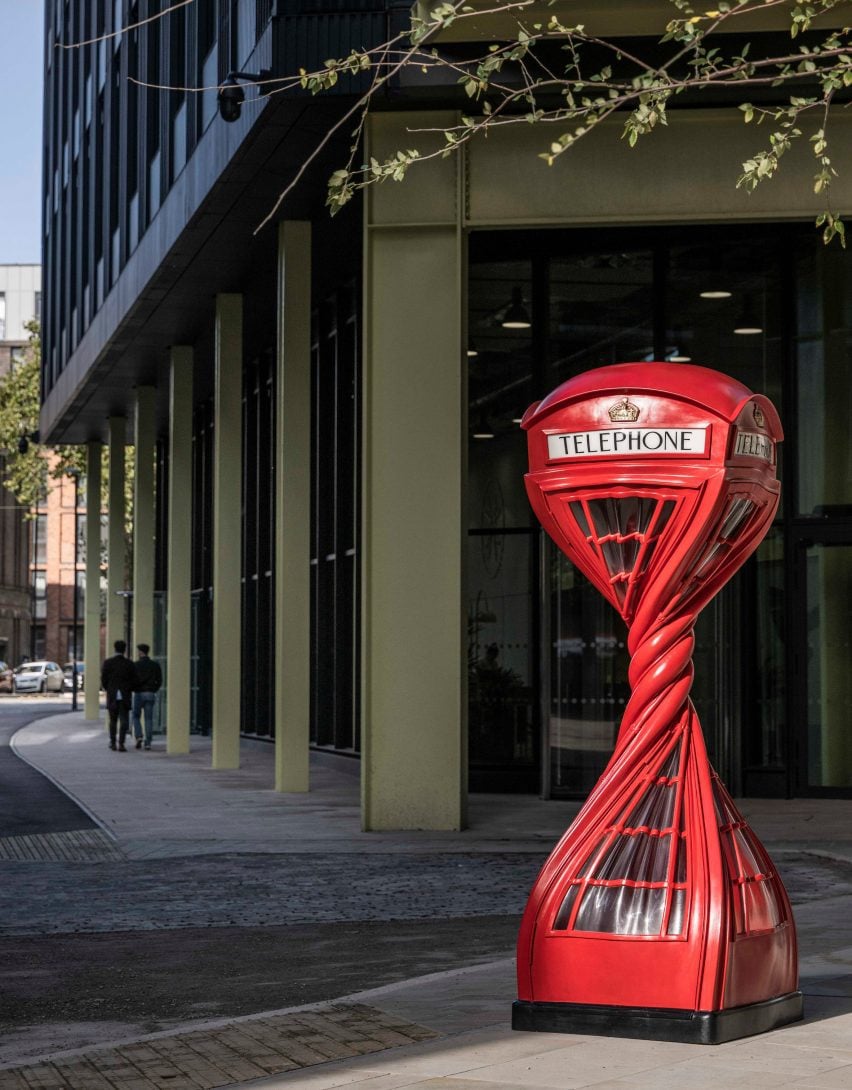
column 715, row 294
column 483, row 435
column 471, row 352
column 679, row 359
column 517, row 419
column 748, row 330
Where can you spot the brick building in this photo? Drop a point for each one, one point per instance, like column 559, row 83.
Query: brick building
column 20, row 301
column 58, row 565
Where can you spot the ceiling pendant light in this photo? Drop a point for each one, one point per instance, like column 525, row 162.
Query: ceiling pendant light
column 517, row 316
column 716, row 278
column 678, row 352
column 483, row 429
column 747, row 323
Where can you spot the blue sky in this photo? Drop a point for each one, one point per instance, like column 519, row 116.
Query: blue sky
column 21, row 64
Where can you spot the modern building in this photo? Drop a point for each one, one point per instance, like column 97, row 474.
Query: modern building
column 332, row 546
column 20, row 303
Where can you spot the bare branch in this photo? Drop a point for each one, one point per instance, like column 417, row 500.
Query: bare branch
column 130, row 26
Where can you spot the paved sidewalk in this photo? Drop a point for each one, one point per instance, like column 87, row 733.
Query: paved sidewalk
column 449, row 1030
column 189, row 808
column 221, row 1055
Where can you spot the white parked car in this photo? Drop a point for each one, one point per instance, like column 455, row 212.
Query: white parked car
column 39, row 677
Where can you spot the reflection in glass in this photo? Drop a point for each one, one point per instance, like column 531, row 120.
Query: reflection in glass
column 765, row 678
column 824, row 353
column 503, row 713
column 701, row 319
column 588, row 677
column 604, row 297
column 626, row 532
column 755, row 899
column 500, row 655
column 601, row 305
column 631, row 875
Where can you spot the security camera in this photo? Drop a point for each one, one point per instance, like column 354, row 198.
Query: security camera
column 231, row 98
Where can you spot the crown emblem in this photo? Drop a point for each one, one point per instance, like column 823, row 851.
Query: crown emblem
column 623, row 410
column 759, row 418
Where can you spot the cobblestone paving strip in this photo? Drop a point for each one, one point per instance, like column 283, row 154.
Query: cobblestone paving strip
column 230, row 890
column 77, row 846
column 203, row 1059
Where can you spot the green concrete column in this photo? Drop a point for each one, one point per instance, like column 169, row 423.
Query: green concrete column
column 227, row 531
column 293, row 509
column 143, row 520
column 92, row 612
column 117, row 537
column 413, row 652
column 179, row 600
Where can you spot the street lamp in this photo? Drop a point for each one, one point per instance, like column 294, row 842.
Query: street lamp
column 127, row 595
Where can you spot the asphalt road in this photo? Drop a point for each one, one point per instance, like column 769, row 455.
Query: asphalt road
column 154, row 980
column 29, row 803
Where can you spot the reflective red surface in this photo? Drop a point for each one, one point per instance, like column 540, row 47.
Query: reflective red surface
column 658, row 481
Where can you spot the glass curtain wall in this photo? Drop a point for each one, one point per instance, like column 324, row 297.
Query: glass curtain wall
column 503, row 545
column 257, row 692
column 547, row 661
column 335, row 530
column 822, row 539
column 201, row 678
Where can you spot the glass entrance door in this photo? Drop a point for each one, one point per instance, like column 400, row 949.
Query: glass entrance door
column 825, row 639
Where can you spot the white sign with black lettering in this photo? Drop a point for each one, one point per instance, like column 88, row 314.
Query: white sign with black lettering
column 755, row 445
column 627, row 442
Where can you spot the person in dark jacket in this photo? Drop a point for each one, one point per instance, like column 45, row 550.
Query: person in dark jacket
column 148, row 677
column 117, row 679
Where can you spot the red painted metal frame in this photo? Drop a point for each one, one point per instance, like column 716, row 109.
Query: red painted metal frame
column 659, row 895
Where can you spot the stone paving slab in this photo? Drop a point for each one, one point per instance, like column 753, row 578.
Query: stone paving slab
column 189, row 808
column 224, row 1055
column 496, row 1058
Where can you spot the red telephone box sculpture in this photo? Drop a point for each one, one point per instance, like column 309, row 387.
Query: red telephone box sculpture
column 659, row 913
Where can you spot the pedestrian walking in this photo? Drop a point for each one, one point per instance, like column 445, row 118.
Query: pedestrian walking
column 147, row 680
column 117, row 678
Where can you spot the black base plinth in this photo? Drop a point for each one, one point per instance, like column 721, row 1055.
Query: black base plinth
column 659, row 1023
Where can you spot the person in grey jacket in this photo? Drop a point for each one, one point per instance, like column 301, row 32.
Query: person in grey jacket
column 147, row 681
